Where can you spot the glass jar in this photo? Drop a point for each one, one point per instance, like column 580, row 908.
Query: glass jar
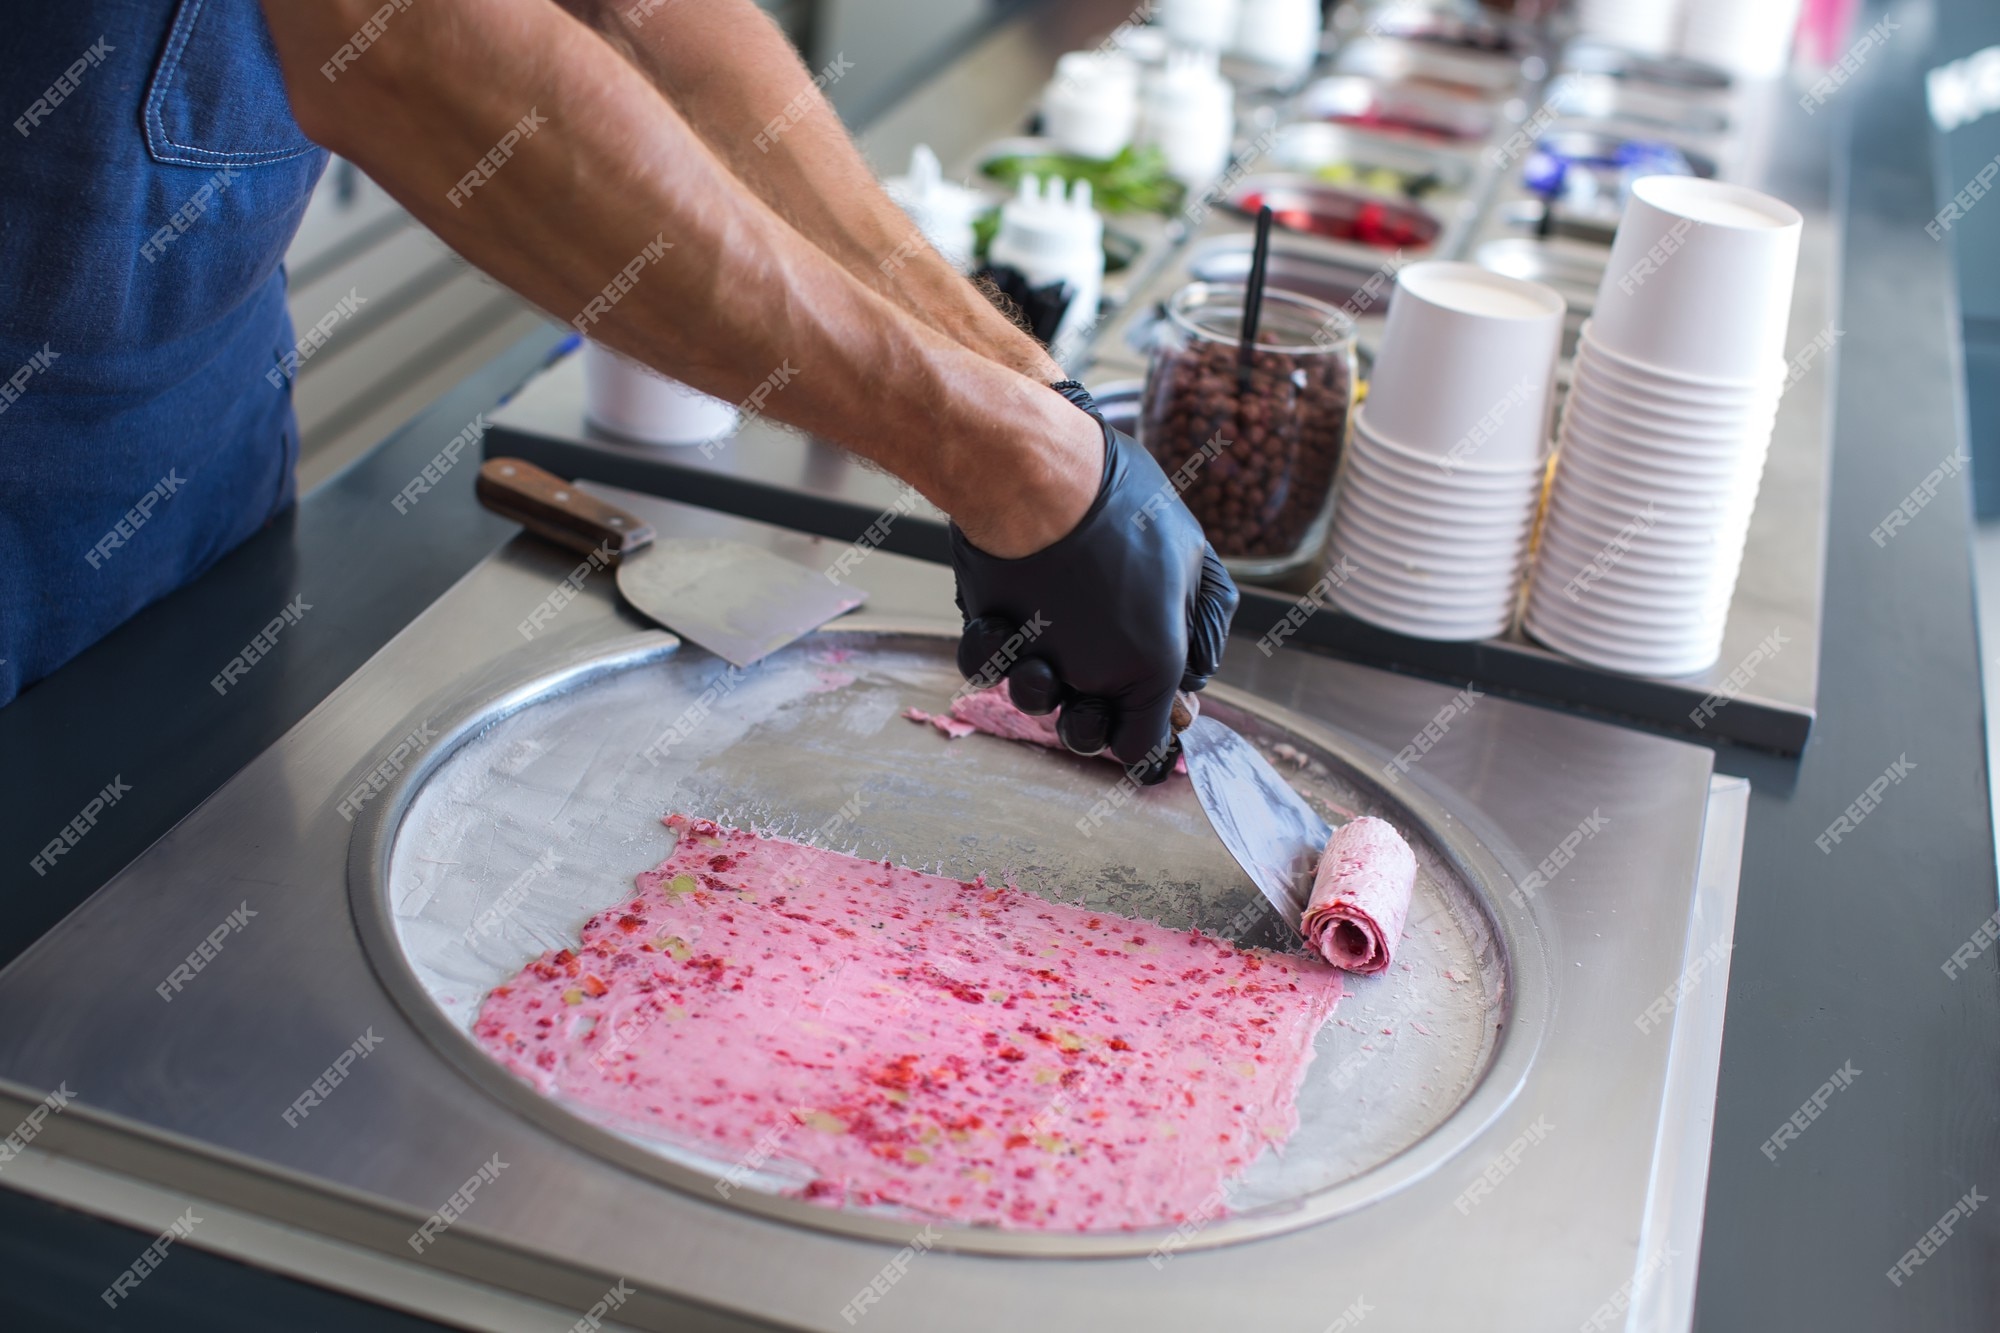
column 1253, row 453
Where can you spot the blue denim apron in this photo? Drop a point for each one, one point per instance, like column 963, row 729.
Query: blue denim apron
column 151, row 176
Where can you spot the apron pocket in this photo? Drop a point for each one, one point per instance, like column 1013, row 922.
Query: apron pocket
column 217, row 96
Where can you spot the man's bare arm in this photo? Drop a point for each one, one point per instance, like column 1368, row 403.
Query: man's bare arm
column 736, row 79
column 610, row 175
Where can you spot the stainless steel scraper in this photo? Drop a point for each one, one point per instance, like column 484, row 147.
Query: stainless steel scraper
column 736, row 600
column 1266, row 825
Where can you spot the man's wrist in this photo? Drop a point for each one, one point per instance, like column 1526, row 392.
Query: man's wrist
column 1034, row 490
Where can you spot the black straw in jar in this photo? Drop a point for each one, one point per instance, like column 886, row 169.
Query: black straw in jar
column 1253, row 297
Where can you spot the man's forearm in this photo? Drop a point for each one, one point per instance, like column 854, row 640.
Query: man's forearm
column 736, row 79
column 580, row 216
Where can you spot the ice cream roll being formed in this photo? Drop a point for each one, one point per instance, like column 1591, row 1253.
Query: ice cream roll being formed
column 1360, row 896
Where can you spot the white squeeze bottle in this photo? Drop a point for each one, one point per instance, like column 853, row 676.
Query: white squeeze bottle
column 1091, row 106
column 942, row 210
column 1189, row 111
column 1052, row 237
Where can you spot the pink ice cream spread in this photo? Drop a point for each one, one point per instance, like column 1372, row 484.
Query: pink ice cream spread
column 1361, row 895
column 954, row 1048
column 992, row 711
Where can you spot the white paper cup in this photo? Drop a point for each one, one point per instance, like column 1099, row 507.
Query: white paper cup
column 1716, row 456
column 1647, row 427
column 1437, row 594
column 1462, row 470
column 1443, row 556
column 1595, row 527
column 1585, row 525
column 1674, row 639
column 1716, row 461
column 1618, row 480
column 1645, row 26
column 1753, row 386
column 1466, row 367
column 1596, row 376
column 1433, row 594
column 1377, row 558
column 1391, row 614
column 1722, row 470
column 1668, row 412
column 1458, row 551
column 1434, row 495
column 1752, row 38
column 1726, row 469
column 1430, row 597
column 1654, row 383
column 1654, row 657
column 1631, row 583
column 1385, row 508
column 1674, row 630
column 634, row 401
column 1659, row 566
column 1700, row 279
column 1644, row 510
column 1680, row 621
column 1698, row 655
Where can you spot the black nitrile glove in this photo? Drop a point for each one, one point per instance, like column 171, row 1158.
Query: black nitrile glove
column 1109, row 621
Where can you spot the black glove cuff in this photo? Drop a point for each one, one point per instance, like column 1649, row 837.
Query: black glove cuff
column 1076, row 393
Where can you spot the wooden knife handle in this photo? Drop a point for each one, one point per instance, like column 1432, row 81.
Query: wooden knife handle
column 1187, row 707
column 545, row 504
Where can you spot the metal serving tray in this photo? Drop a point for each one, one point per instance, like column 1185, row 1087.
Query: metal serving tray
column 1599, row 1152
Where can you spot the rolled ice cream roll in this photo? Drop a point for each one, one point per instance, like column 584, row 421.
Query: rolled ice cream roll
column 1361, row 895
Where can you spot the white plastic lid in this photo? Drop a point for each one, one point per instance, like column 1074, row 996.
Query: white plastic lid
column 1094, row 69
column 925, row 193
column 1049, row 222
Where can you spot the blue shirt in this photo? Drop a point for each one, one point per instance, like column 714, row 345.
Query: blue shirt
column 151, row 176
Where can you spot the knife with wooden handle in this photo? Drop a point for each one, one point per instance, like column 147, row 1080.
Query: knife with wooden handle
column 738, row 601
column 550, row 507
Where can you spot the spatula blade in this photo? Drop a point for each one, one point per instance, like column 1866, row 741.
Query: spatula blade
column 1267, row 826
column 739, row 602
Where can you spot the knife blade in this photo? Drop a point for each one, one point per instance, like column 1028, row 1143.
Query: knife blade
column 736, row 600
column 1267, row 826
column 740, row 603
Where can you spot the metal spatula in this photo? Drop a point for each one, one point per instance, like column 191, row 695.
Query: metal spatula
column 1266, row 825
column 739, row 602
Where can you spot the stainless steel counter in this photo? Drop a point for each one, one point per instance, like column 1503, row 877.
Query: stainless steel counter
column 1599, row 1158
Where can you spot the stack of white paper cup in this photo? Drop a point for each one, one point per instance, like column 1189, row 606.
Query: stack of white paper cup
column 1441, row 481
column 1645, row 26
column 1748, row 37
column 625, row 398
column 1669, row 419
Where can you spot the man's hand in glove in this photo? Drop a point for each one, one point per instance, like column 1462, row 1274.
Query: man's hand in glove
column 1107, row 620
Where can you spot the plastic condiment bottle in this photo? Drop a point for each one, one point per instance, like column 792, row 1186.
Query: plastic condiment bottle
column 1207, row 25
column 942, row 210
column 1055, row 237
column 1091, row 107
column 1189, row 111
column 1281, row 34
